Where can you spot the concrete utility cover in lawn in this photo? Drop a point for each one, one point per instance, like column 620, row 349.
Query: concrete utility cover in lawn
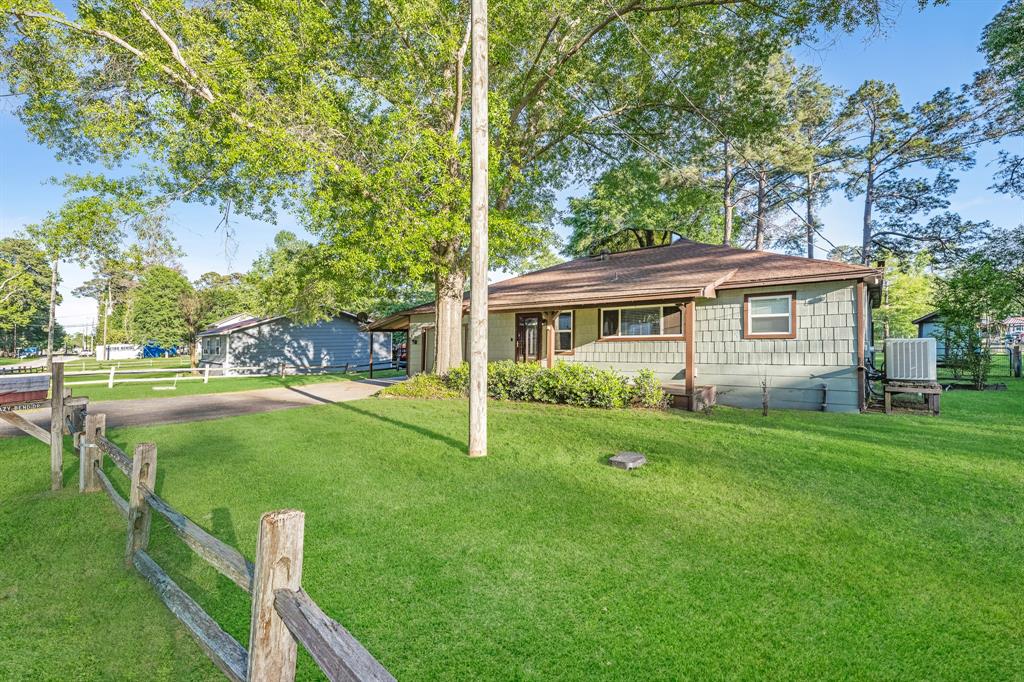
column 627, row 460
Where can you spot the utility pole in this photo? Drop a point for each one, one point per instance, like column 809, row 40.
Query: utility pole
column 478, row 238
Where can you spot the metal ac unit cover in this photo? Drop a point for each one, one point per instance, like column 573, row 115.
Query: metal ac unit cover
column 910, row 359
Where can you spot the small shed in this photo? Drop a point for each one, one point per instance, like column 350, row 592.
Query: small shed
column 267, row 343
column 930, row 326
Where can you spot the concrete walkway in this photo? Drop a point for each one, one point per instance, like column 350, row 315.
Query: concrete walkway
column 192, row 408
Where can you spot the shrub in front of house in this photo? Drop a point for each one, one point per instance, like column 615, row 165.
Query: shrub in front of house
column 508, row 380
column 647, row 392
column 424, row 386
column 565, row 383
column 582, row 386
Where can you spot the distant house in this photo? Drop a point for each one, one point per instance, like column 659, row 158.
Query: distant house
column 930, row 327
column 700, row 316
column 1014, row 326
column 267, row 343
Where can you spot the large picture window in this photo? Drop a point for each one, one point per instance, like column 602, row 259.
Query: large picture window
column 771, row 316
column 641, row 322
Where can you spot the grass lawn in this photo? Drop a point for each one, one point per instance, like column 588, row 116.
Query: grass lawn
column 197, row 387
column 797, row 546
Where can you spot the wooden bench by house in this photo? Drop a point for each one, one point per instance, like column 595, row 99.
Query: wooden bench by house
column 931, row 391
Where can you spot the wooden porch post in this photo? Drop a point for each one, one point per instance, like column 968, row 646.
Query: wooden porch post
column 690, row 315
column 861, row 369
column 549, row 346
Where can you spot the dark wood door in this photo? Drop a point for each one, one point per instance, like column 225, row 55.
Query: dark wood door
column 528, row 326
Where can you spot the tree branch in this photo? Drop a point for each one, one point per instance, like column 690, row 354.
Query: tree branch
column 615, row 15
column 113, row 38
column 460, row 61
column 202, row 88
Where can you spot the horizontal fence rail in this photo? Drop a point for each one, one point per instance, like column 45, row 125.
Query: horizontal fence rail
column 334, row 649
column 19, row 422
column 283, row 615
column 117, row 455
column 115, row 497
column 226, row 559
column 223, row 649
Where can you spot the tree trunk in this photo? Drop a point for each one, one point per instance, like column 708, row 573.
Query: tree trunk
column 194, row 354
column 762, row 209
column 53, row 316
column 449, row 287
column 727, row 195
column 869, row 200
column 809, row 219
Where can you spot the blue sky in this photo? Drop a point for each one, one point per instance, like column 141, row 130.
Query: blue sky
column 920, row 52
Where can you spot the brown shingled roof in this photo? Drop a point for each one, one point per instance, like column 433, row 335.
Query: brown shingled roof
column 682, row 269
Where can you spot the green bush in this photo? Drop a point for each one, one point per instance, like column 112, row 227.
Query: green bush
column 428, row 386
column 647, row 391
column 582, row 386
column 565, row 383
column 457, row 379
column 508, row 380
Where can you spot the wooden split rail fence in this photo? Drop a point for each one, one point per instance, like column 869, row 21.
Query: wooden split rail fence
column 282, row 614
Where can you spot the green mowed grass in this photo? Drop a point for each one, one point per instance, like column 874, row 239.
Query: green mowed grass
column 801, row 545
column 168, row 388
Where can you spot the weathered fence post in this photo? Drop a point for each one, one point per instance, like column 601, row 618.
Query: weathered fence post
column 278, row 566
column 89, row 454
column 139, row 515
column 1015, row 361
column 110, row 381
column 206, row 374
column 57, row 425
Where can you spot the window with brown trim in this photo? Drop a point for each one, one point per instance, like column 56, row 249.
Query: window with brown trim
column 642, row 322
column 563, row 332
column 769, row 316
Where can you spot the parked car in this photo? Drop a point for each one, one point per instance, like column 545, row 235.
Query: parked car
column 29, row 352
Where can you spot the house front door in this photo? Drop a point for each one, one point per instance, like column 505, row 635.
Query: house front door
column 528, row 326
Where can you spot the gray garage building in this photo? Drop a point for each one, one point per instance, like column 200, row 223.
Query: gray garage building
column 267, row 343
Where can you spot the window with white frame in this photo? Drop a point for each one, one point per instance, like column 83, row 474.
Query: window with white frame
column 641, row 321
column 771, row 315
column 212, row 345
column 563, row 332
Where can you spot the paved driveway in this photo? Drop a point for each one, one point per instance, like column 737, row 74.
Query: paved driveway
column 215, row 405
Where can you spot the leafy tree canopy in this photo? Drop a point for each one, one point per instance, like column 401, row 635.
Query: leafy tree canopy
column 632, row 206
column 156, row 314
column 24, row 281
column 353, row 116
